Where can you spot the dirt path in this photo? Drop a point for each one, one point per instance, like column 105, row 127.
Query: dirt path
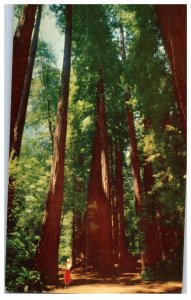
column 90, row 283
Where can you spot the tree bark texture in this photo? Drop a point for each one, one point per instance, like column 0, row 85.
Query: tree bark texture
column 20, row 122
column 148, row 176
column 113, row 200
column 99, row 233
column 172, row 238
column 21, row 114
column 46, row 259
column 21, row 47
column 132, row 137
column 172, row 21
column 50, row 123
column 152, row 250
column 126, row 260
column 78, row 248
column 133, row 145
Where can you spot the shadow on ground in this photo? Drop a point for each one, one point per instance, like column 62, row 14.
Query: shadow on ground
column 91, row 283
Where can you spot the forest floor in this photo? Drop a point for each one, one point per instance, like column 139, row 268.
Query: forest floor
column 125, row 283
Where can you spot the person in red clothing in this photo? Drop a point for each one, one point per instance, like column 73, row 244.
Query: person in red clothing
column 67, row 276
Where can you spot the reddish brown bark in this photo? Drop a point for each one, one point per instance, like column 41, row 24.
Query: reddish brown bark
column 21, row 115
column 151, row 247
column 132, row 137
column 126, row 260
column 152, row 250
column 74, row 239
column 133, row 145
column 99, row 233
column 50, row 122
column 172, row 238
column 45, row 78
column 115, row 226
column 172, row 21
column 20, row 121
column 46, row 259
column 78, row 243
column 148, row 176
column 162, row 239
column 21, row 46
column 114, row 211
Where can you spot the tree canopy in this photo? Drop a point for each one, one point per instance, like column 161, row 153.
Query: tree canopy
column 121, row 48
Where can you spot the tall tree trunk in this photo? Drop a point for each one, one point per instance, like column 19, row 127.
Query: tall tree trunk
column 132, row 137
column 138, row 191
column 99, row 233
column 46, row 83
column 151, row 251
column 148, row 176
column 46, row 259
column 172, row 238
column 78, row 247
column 114, row 211
column 50, row 123
column 21, row 46
column 74, row 233
column 20, row 122
column 133, row 146
column 78, row 235
column 126, row 260
column 172, row 21
column 115, row 225
column 21, row 114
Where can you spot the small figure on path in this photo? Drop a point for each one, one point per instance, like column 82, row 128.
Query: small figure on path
column 67, row 267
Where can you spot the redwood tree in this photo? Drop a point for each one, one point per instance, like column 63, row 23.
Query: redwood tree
column 46, row 259
column 21, row 47
column 153, row 244
column 99, row 233
column 151, row 251
column 78, row 239
column 126, row 260
column 17, row 131
column 113, row 200
column 132, row 137
column 20, row 121
column 172, row 21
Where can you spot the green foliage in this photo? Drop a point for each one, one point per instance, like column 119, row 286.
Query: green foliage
column 65, row 249
column 165, row 270
column 18, row 10
column 59, row 11
column 131, row 218
column 148, row 274
column 41, row 116
column 31, row 173
column 97, row 49
column 30, row 185
column 146, row 71
column 26, row 280
column 169, row 270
